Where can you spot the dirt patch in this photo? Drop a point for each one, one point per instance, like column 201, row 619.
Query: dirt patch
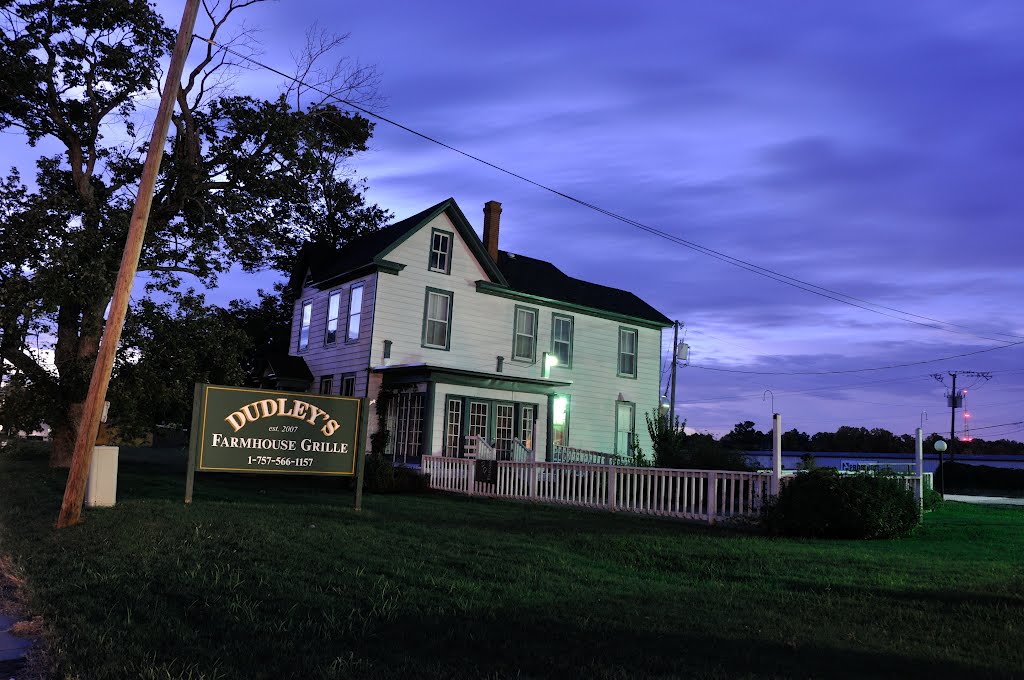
column 14, row 603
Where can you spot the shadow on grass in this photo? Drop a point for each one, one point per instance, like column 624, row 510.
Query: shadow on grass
column 530, row 644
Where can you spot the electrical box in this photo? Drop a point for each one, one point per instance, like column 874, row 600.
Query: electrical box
column 955, row 400
column 683, row 352
column 101, row 487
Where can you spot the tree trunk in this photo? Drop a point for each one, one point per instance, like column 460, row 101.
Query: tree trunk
column 63, row 435
column 78, row 336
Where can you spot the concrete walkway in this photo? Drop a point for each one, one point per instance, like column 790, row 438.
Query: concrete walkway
column 985, row 500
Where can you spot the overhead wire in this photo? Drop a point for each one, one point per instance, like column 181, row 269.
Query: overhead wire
column 859, row 370
column 815, row 289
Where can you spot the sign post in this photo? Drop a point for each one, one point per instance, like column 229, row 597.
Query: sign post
column 238, row 429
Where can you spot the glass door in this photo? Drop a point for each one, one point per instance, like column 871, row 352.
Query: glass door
column 504, row 420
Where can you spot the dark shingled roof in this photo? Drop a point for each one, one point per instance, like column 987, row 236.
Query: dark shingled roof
column 524, row 274
column 537, row 277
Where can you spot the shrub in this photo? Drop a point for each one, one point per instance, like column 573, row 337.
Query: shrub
column 380, row 476
column 932, row 499
column 822, row 503
column 673, row 448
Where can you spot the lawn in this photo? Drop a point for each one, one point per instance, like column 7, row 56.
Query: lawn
column 279, row 578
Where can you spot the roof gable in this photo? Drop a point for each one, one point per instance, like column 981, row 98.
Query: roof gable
column 325, row 263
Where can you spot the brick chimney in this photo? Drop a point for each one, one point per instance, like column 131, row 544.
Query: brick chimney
column 492, row 216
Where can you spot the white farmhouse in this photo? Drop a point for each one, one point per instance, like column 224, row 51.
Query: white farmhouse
column 474, row 341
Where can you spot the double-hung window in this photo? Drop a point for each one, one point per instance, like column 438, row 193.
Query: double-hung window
column 437, row 319
column 561, row 339
column 307, row 316
column 627, row 352
column 333, row 308
column 355, row 312
column 326, row 384
column 440, row 251
column 348, row 384
column 524, row 339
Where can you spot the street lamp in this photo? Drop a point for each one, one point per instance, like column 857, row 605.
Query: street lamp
column 940, row 446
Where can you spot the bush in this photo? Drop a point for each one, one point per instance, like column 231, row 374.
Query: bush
column 822, row 503
column 673, row 448
column 932, row 499
column 380, row 476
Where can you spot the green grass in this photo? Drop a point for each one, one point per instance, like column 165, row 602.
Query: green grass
column 279, row 578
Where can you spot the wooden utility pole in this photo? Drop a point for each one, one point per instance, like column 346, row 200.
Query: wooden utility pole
column 952, row 420
column 71, row 507
column 675, row 358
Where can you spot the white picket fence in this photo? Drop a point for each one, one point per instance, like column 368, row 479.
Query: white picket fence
column 708, row 495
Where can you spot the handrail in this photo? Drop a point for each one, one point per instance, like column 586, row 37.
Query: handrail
column 520, row 453
column 568, row 454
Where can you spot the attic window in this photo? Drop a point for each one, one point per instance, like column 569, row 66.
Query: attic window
column 440, row 251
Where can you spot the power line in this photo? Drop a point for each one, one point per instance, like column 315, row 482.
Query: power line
column 859, row 370
column 989, row 427
column 813, row 389
column 815, row 289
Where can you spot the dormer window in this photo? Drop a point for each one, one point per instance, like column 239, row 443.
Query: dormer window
column 440, row 251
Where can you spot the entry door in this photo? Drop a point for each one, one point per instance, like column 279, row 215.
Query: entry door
column 406, row 425
column 527, row 418
column 504, row 424
column 478, row 420
column 624, row 417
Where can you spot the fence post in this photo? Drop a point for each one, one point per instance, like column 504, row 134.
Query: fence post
column 776, row 453
column 712, row 496
column 919, row 487
column 471, row 476
column 533, row 480
column 613, row 475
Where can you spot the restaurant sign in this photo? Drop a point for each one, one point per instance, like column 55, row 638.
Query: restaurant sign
column 237, row 429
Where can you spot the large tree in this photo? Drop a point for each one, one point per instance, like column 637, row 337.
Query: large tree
column 244, row 181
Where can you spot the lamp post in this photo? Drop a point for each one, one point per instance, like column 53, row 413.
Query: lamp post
column 940, row 446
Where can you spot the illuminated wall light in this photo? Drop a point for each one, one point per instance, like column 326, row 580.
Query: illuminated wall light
column 560, row 406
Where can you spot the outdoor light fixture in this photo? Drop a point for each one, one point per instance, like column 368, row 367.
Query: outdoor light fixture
column 560, row 406
column 550, row 360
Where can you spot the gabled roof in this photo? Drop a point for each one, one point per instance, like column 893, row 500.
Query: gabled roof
column 327, row 262
column 511, row 273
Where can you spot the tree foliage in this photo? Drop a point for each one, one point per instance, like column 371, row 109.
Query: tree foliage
column 244, row 181
column 166, row 348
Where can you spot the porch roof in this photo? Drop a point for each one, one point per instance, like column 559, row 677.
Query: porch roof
column 411, row 373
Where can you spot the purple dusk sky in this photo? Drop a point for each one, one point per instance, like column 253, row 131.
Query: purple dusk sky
column 872, row 148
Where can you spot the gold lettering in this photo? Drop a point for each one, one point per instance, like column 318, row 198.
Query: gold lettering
column 236, row 420
column 314, row 413
column 269, row 407
column 300, row 410
column 330, row 428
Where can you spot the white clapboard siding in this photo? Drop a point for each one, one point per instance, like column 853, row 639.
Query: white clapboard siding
column 481, row 331
column 341, row 357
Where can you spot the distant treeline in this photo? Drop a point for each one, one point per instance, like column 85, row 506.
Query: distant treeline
column 745, row 437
